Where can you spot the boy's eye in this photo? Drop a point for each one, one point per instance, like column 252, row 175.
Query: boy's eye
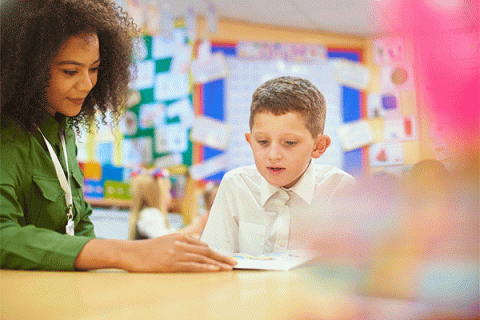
column 291, row 143
column 262, row 142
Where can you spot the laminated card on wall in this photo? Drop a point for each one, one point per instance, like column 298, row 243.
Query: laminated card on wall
column 355, row 135
column 211, row 132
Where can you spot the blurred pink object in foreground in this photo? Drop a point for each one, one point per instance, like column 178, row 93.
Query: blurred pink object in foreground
column 445, row 36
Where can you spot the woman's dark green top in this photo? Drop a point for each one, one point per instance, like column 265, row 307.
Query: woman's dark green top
column 32, row 202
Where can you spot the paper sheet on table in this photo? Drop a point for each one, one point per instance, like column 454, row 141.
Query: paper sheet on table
column 281, row 261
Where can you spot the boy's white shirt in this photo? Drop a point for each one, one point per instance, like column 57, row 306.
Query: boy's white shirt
column 245, row 215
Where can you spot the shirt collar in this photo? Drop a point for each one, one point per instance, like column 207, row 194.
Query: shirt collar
column 50, row 127
column 304, row 188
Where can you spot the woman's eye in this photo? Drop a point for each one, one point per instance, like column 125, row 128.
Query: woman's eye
column 95, row 69
column 70, row 72
column 291, row 143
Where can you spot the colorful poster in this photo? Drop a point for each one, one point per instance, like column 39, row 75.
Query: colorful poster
column 171, row 86
column 386, row 154
column 389, row 50
column 293, row 52
column 152, row 114
column 400, row 129
column 211, row 132
column 374, row 105
column 176, row 138
column 163, row 47
column 128, row 123
column 398, row 76
column 137, row 151
column 352, row 74
column 210, row 69
column 182, row 109
column 209, row 167
column 355, row 135
column 144, row 77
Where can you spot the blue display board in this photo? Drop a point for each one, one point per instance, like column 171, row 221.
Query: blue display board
column 213, row 102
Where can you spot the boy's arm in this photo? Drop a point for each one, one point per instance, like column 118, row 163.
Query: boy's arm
column 221, row 230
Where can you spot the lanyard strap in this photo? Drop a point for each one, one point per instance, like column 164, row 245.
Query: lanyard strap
column 64, row 180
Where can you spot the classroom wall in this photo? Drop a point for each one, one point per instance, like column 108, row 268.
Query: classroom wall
column 233, row 31
column 413, row 150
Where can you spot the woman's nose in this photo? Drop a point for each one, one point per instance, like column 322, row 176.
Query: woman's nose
column 86, row 83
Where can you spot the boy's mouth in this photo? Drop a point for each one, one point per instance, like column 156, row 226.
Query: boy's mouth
column 275, row 170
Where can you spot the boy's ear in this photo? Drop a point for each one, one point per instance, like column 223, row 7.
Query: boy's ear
column 248, row 136
column 322, row 142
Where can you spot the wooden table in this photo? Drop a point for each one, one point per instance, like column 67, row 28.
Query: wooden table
column 299, row 294
column 114, row 294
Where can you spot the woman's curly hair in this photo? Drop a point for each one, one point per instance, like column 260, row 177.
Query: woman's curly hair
column 32, row 32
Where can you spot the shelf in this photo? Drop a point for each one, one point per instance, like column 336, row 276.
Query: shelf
column 126, row 204
column 101, row 202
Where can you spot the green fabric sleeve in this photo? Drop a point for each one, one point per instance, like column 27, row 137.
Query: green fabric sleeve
column 32, row 202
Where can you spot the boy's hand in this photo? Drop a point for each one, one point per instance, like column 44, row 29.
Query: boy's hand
column 174, row 253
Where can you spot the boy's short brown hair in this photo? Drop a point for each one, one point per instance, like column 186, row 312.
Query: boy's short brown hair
column 291, row 94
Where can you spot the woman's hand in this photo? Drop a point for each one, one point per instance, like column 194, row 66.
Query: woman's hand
column 176, row 253
column 170, row 253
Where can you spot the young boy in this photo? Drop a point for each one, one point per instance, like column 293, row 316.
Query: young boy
column 254, row 205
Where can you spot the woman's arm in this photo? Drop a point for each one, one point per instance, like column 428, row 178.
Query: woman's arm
column 169, row 253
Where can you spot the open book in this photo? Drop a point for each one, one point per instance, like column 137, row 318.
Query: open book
column 283, row 261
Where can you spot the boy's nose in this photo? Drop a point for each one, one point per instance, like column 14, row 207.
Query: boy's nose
column 275, row 152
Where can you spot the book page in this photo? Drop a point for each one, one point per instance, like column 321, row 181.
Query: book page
column 281, row 261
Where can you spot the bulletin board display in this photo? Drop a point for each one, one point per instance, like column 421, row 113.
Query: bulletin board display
column 156, row 127
column 229, row 100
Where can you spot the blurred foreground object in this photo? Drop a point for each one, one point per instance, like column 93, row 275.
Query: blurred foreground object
column 407, row 247
column 445, row 35
column 409, row 243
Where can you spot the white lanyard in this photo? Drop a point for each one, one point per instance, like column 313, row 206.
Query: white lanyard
column 64, row 181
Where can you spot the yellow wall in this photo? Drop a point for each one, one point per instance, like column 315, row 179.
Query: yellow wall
column 231, row 31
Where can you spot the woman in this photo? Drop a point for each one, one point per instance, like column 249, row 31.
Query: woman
column 62, row 60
